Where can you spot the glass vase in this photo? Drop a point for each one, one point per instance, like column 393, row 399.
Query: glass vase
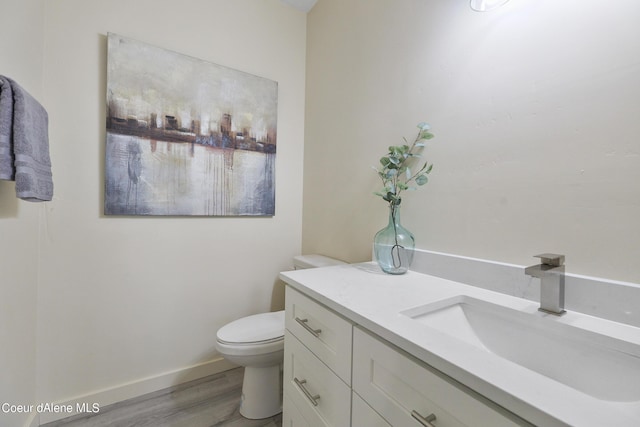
column 393, row 245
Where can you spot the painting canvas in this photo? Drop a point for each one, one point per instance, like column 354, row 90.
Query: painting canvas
column 186, row 136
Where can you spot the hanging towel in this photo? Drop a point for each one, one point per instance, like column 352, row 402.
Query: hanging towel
column 7, row 170
column 30, row 143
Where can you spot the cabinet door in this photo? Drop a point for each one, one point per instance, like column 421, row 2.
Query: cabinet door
column 320, row 396
column 402, row 390
column 363, row 416
column 324, row 332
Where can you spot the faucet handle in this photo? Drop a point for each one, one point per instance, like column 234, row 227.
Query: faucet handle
column 554, row 260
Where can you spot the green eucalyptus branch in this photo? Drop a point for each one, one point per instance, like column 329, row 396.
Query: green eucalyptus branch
column 395, row 170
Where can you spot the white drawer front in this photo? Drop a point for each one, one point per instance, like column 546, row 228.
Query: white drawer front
column 363, row 416
column 325, row 333
column 291, row 416
column 321, row 397
column 396, row 385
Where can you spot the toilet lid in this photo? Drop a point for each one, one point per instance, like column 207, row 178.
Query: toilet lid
column 252, row 329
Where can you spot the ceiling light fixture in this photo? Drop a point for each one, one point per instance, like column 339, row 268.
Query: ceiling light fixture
column 486, row 5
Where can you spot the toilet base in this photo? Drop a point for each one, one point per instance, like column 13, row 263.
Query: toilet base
column 261, row 392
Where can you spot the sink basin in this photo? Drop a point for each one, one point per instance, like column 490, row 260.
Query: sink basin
column 600, row 366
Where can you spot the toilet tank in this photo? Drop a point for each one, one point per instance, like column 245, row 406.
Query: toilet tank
column 312, row 261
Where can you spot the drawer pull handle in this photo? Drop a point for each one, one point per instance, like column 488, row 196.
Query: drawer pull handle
column 426, row 422
column 303, row 322
column 300, row 384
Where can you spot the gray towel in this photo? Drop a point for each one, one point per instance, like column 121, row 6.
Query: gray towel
column 30, row 147
column 7, row 170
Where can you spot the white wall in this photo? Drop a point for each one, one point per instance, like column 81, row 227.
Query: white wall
column 535, row 108
column 122, row 299
column 21, row 46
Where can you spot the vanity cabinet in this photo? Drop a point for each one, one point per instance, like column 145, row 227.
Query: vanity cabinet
column 317, row 364
column 362, row 415
column 338, row 374
column 407, row 392
column 291, row 415
column 320, row 396
column 326, row 334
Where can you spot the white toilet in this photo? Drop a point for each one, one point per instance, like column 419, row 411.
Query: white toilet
column 257, row 343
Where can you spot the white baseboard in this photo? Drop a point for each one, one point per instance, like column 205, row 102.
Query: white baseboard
column 133, row 389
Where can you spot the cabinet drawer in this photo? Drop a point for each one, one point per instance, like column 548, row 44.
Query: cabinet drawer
column 396, row 385
column 291, row 416
column 363, row 416
column 321, row 398
column 325, row 333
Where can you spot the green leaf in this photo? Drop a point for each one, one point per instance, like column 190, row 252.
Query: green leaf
column 395, row 172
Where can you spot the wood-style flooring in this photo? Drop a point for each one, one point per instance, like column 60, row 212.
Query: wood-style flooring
column 207, row 402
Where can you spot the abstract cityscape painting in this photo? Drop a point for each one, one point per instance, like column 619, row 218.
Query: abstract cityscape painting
column 186, row 136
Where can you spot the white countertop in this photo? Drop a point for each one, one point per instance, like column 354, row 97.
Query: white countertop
column 368, row 297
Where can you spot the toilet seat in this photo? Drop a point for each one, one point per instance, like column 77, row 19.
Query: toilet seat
column 253, row 335
column 250, row 349
column 260, row 328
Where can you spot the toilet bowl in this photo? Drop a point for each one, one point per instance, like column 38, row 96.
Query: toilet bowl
column 257, row 343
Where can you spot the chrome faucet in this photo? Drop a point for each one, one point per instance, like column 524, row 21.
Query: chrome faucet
column 551, row 275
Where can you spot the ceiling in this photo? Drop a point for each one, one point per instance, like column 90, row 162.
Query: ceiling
column 303, row 5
